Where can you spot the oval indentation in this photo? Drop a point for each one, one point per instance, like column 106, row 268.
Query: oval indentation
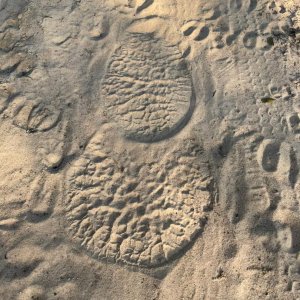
column 121, row 207
column 147, row 89
column 249, row 40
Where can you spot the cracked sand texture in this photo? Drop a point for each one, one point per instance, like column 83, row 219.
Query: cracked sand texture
column 149, row 149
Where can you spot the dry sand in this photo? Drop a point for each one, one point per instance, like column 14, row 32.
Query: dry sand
column 149, row 149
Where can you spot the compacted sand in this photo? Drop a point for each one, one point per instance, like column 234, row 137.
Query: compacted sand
column 149, row 149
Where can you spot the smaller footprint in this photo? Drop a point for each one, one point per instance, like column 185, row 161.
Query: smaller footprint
column 268, row 155
column 250, row 40
column 203, row 34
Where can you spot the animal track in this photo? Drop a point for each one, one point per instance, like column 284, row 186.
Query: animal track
column 189, row 30
column 268, row 155
column 219, row 26
column 293, row 121
column 249, row 40
column 35, row 115
column 203, row 33
column 274, row 156
column 147, row 89
column 195, row 30
column 144, row 5
column 136, row 212
column 28, row 115
column 279, row 160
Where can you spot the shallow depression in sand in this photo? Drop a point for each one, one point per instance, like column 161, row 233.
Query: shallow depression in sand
column 139, row 213
column 147, row 88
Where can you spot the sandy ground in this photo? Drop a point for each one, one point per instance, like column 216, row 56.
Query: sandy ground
column 149, row 149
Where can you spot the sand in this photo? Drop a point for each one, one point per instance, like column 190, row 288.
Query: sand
column 149, row 149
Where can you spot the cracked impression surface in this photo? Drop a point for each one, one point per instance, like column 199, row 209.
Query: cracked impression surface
column 156, row 141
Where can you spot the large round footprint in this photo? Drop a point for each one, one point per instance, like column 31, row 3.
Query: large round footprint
column 123, row 208
column 147, row 89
